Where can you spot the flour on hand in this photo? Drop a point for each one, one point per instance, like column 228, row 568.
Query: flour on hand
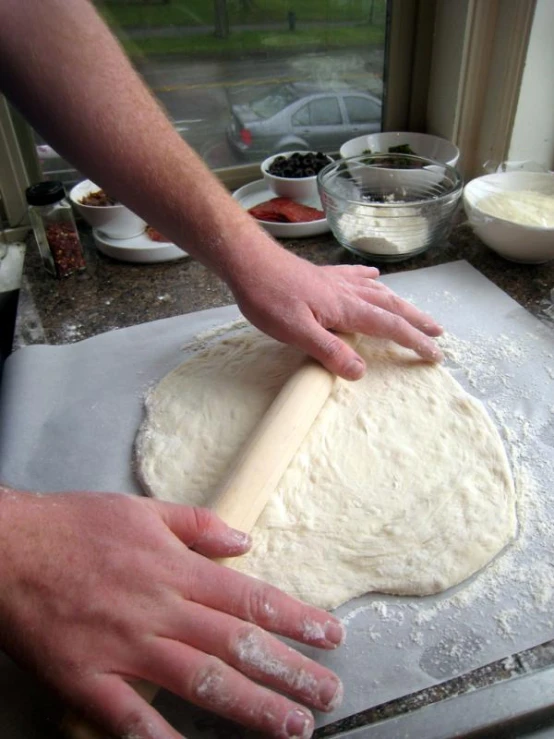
column 402, row 485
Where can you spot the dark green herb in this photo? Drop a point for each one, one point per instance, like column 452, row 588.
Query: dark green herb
column 401, row 149
column 397, row 163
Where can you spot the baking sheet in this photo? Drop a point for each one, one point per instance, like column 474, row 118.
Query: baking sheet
column 82, row 404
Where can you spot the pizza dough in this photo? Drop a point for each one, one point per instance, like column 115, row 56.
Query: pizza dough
column 402, row 486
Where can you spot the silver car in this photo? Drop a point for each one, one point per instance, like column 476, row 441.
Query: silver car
column 287, row 118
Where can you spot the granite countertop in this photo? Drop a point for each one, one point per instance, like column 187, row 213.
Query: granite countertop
column 113, row 294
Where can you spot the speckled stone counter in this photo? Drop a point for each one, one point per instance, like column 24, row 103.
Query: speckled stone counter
column 113, row 294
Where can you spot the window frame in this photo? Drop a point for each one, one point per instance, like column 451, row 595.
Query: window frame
column 474, row 86
column 17, row 163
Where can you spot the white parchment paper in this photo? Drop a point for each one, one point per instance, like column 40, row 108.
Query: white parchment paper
column 69, row 415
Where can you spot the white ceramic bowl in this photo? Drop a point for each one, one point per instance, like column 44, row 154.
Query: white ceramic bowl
column 301, row 189
column 513, row 241
column 115, row 221
column 423, row 144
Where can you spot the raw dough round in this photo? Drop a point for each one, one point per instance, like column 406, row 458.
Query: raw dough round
column 402, row 486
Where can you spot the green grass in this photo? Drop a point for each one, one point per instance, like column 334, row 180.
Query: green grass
column 121, row 13
column 245, row 42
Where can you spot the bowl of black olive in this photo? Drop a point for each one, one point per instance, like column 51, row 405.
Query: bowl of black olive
column 293, row 174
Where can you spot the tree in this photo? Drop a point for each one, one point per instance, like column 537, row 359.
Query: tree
column 221, row 19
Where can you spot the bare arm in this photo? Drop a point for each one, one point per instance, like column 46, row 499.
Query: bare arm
column 63, row 68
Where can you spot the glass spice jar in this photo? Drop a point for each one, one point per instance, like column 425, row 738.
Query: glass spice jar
column 55, row 229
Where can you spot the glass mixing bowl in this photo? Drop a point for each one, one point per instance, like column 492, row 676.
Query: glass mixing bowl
column 389, row 207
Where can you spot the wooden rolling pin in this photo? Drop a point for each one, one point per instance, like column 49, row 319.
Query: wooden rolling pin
column 260, row 465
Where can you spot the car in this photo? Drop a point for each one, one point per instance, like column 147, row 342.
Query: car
column 288, row 118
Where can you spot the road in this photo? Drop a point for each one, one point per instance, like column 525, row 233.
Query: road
column 197, row 95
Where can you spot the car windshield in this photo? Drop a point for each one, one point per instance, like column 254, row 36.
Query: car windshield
column 269, row 105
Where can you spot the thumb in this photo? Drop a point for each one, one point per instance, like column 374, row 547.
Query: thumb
column 202, row 530
column 332, row 352
column 118, row 708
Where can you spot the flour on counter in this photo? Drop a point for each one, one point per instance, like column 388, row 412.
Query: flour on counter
column 204, row 338
column 518, row 586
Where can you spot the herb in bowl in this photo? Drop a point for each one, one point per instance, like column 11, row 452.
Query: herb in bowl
column 398, row 149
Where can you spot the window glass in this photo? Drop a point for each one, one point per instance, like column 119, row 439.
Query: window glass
column 231, row 73
column 271, row 104
column 302, row 116
column 360, row 110
column 325, row 112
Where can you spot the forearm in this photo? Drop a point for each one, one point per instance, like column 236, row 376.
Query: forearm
column 62, row 67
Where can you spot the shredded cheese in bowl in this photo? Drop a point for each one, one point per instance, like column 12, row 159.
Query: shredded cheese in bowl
column 526, row 207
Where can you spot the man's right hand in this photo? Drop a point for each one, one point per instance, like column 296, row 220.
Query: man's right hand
column 98, row 590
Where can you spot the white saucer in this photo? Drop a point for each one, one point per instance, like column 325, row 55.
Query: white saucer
column 137, row 249
column 256, row 192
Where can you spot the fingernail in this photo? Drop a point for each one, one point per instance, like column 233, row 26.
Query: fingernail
column 430, row 353
column 239, row 538
column 355, row 369
column 298, row 725
column 335, row 632
column 330, row 693
column 435, row 330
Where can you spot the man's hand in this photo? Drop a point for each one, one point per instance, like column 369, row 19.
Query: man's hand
column 300, row 304
column 98, row 590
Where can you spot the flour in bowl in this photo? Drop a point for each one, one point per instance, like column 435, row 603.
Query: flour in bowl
column 400, row 231
column 526, row 207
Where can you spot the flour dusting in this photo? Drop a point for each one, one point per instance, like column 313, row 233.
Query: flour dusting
column 513, row 375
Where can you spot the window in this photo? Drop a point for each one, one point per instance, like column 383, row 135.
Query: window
column 325, row 112
column 302, row 116
column 361, row 110
column 231, row 73
column 452, row 68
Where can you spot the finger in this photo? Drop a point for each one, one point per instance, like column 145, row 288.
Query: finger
column 202, row 530
column 114, row 705
column 329, row 349
column 374, row 321
column 209, row 683
column 353, row 271
column 255, row 653
column 249, row 599
column 388, row 300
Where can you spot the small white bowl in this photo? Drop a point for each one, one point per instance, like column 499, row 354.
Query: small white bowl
column 422, row 144
column 115, row 221
column 296, row 188
column 512, row 240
